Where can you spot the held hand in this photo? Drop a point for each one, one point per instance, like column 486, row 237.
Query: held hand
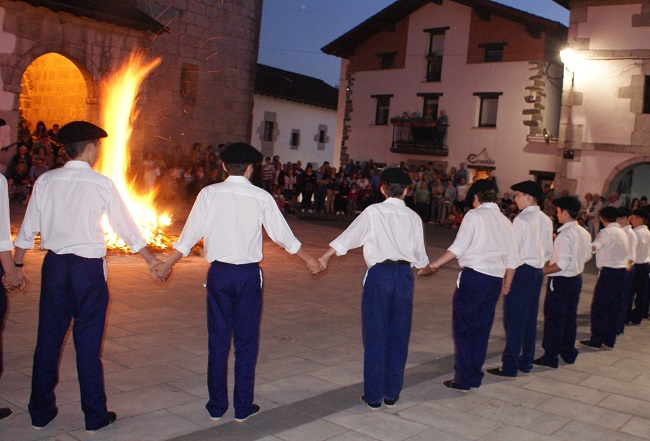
column 323, row 262
column 426, row 271
column 314, row 266
column 505, row 290
column 15, row 279
column 160, row 271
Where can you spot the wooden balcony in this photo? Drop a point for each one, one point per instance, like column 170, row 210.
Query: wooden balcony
column 417, row 137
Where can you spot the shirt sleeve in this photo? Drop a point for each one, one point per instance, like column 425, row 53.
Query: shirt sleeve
column 122, row 222
column 31, row 225
column 599, row 242
column 564, row 252
column 357, row 234
column 420, row 250
column 193, row 229
column 5, row 224
column 465, row 234
column 511, row 252
column 277, row 228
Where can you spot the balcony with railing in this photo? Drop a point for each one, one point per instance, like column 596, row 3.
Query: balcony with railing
column 418, row 136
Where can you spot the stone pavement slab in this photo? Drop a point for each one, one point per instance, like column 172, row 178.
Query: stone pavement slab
column 310, row 369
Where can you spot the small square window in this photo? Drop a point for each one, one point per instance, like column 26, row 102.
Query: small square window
column 268, row 131
column 487, row 108
column 321, row 136
column 387, row 60
column 493, row 52
column 295, row 139
column 383, row 109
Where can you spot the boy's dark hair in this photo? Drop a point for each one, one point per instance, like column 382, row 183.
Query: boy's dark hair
column 76, row 149
column 487, row 196
column 609, row 214
column 237, row 169
column 394, row 190
column 624, row 212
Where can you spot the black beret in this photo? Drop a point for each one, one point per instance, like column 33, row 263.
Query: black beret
column 241, row 153
column 569, row 203
column 530, row 187
column 624, row 212
column 2, row 122
column 480, row 186
column 640, row 212
column 395, row 175
column 78, row 131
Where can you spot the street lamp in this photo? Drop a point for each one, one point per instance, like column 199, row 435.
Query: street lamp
column 569, row 58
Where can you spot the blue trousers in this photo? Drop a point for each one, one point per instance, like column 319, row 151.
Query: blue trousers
column 626, row 299
column 3, row 313
column 560, row 315
column 474, row 304
column 520, row 308
column 234, row 305
column 72, row 287
column 638, row 300
column 386, row 311
column 605, row 305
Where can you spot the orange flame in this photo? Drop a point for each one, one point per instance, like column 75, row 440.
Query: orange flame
column 120, row 96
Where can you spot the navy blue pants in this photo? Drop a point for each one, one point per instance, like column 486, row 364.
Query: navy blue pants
column 637, row 303
column 72, row 287
column 234, row 313
column 626, row 299
column 520, row 308
column 3, row 313
column 386, row 310
column 560, row 315
column 605, row 305
column 474, row 303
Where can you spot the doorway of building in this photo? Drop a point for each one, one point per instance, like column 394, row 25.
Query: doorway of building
column 54, row 92
column 632, row 182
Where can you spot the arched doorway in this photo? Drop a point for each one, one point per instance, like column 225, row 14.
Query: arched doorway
column 55, row 90
column 630, row 180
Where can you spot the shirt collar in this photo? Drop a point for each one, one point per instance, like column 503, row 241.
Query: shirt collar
column 530, row 208
column 396, row 201
column 641, row 227
column 75, row 163
column 567, row 225
column 612, row 225
column 238, row 179
column 488, row 205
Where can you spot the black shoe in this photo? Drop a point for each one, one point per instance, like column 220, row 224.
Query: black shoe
column 5, row 412
column 372, row 406
column 541, row 361
column 391, row 403
column 110, row 419
column 451, row 384
column 608, row 346
column 499, row 372
column 254, row 409
column 590, row 344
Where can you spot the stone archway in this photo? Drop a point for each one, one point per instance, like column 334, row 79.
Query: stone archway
column 630, row 178
column 56, row 90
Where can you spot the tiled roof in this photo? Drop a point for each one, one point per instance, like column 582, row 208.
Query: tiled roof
column 291, row 86
column 387, row 18
column 119, row 12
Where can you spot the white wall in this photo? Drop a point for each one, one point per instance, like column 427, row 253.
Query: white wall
column 292, row 115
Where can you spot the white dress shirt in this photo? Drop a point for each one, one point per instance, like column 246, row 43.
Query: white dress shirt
column 387, row 231
column 571, row 250
column 642, row 244
column 631, row 237
column 67, row 205
column 611, row 247
column 230, row 216
column 5, row 226
column 485, row 241
column 533, row 231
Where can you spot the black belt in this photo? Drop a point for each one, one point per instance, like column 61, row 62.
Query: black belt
column 395, row 262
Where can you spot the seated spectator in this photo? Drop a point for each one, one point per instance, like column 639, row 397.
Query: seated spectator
column 37, row 170
column 506, row 201
column 42, row 154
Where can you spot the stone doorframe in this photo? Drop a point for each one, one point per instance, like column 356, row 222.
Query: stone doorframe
column 619, row 168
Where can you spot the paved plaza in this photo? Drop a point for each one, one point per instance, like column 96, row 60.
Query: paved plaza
column 309, row 374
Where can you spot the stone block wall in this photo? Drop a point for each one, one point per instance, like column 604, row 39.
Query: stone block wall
column 218, row 40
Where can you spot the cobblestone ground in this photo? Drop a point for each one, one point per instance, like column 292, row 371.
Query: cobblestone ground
column 309, row 374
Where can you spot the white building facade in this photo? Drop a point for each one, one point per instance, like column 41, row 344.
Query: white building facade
column 294, row 117
column 494, row 70
column 605, row 123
